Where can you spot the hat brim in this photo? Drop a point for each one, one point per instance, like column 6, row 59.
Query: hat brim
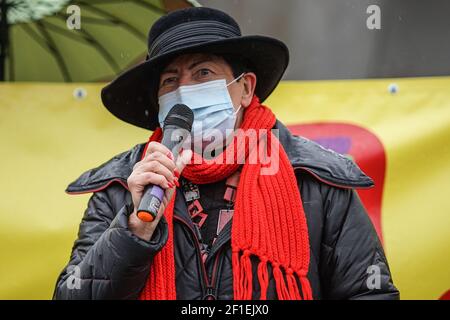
column 132, row 95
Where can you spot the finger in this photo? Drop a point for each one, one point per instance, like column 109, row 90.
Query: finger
column 156, row 167
column 164, row 159
column 183, row 159
column 147, row 178
column 158, row 147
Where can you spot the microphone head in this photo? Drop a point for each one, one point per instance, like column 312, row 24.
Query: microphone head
column 180, row 116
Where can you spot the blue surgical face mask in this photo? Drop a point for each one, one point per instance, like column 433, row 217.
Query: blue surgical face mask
column 211, row 104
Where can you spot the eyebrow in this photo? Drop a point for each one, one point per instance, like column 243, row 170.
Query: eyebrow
column 193, row 65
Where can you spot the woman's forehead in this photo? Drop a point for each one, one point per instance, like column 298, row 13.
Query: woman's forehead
column 187, row 60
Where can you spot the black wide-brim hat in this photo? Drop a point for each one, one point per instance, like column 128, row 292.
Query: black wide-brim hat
column 132, row 96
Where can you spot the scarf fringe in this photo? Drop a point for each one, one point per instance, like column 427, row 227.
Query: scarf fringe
column 306, row 288
column 263, row 278
column 286, row 284
column 280, row 284
column 247, row 276
column 294, row 293
column 237, row 288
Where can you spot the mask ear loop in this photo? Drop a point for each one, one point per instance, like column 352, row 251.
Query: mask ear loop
column 236, row 79
column 236, row 112
column 239, row 77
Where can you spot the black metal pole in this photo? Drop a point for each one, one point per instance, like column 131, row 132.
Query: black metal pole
column 4, row 38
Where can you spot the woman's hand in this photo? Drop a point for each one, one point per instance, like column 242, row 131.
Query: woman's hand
column 158, row 168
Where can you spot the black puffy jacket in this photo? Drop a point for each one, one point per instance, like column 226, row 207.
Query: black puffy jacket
column 109, row 262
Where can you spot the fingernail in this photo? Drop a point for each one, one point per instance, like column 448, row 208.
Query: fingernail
column 170, row 185
column 176, row 182
column 170, row 155
column 176, row 173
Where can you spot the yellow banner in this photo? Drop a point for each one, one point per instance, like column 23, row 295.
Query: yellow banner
column 398, row 130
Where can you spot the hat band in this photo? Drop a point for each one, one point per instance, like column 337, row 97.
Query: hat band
column 190, row 33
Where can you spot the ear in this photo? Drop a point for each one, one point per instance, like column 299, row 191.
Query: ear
column 249, row 81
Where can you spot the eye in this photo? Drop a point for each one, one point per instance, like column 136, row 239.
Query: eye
column 204, row 72
column 169, row 81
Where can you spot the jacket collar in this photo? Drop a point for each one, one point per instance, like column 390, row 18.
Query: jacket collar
column 325, row 165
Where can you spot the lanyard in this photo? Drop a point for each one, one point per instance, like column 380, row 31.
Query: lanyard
column 198, row 215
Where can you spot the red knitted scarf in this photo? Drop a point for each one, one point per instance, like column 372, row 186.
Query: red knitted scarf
column 268, row 222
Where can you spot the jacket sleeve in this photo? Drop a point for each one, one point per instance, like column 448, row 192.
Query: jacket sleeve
column 108, row 261
column 353, row 263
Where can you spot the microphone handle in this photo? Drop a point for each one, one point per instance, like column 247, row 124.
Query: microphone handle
column 153, row 194
column 150, row 203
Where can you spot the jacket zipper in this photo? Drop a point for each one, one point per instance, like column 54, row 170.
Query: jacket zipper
column 210, row 293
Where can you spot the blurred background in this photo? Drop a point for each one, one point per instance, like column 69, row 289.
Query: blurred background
column 368, row 79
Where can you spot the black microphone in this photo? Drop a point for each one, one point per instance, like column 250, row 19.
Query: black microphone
column 177, row 127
